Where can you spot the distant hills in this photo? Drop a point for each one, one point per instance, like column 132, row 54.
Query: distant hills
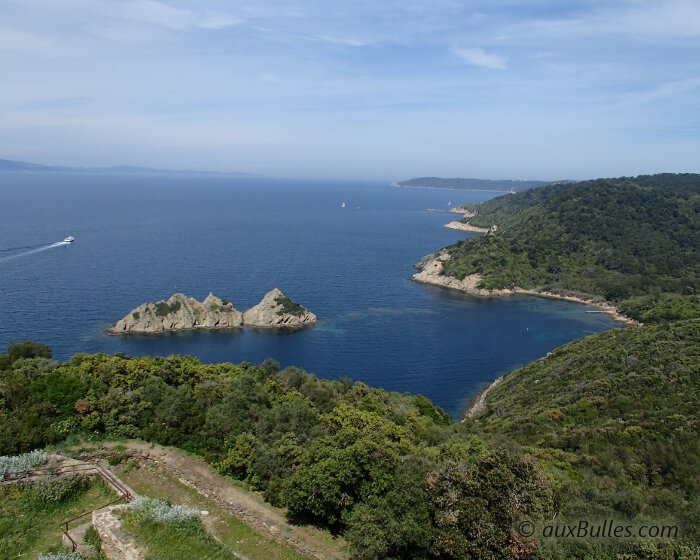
column 505, row 185
column 12, row 165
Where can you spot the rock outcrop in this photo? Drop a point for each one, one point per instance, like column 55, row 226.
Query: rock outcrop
column 277, row 311
column 466, row 213
column 430, row 272
column 179, row 313
column 116, row 544
column 466, row 226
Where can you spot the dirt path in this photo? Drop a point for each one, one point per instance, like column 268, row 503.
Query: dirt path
column 250, row 508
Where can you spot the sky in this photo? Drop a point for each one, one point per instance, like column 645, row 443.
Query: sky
column 381, row 89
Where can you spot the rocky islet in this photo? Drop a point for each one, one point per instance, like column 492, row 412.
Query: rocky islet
column 182, row 313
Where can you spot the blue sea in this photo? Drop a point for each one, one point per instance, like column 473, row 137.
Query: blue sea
column 143, row 237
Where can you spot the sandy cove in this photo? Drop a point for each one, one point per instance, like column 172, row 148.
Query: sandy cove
column 430, row 269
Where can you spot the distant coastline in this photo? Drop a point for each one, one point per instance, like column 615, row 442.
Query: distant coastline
column 395, row 184
column 477, row 185
column 8, row 165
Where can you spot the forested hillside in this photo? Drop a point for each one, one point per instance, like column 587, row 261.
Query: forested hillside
column 615, row 415
column 632, row 241
column 391, row 472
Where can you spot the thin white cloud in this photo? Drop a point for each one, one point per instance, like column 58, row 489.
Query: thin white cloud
column 479, row 57
column 156, row 13
column 162, row 15
column 658, row 93
column 216, row 20
column 642, row 20
column 21, row 41
column 343, row 41
column 673, row 19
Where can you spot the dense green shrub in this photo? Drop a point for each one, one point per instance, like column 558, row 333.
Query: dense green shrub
column 24, row 349
column 289, row 307
column 163, row 308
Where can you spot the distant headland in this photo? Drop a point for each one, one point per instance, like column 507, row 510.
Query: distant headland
column 500, row 185
column 182, row 313
column 620, row 244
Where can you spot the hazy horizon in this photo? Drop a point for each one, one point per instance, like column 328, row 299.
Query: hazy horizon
column 390, row 91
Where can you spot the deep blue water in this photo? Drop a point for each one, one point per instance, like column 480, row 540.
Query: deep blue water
column 141, row 238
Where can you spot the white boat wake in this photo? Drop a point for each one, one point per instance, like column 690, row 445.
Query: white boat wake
column 37, row 249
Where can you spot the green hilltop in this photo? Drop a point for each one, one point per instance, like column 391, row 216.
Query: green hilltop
column 632, row 241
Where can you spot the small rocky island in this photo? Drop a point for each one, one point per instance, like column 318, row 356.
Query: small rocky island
column 182, row 313
column 277, row 311
column 179, row 313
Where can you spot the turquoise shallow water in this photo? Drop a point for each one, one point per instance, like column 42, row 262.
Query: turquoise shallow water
column 141, row 238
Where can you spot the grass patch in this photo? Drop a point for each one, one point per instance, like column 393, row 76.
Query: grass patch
column 30, row 515
column 173, row 542
column 233, row 533
column 93, row 538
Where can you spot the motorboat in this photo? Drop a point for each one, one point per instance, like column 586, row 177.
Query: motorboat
column 69, row 239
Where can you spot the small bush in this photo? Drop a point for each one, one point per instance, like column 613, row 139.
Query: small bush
column 288, row 306
column 117, row 458
column 62, row 489
column 60, row 556
column 92, row 537
column 18, row 464
column 151, row 509
column 163, row 308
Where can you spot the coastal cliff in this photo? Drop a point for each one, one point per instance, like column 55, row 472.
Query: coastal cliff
column 179, row 313
column 431, row 268
column 277, row 311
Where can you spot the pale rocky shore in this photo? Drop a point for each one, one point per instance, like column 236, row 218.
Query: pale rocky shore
column 480, row 402
column 466, row 213
column 430, row 270
column 182, row 313
column 466, row 226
